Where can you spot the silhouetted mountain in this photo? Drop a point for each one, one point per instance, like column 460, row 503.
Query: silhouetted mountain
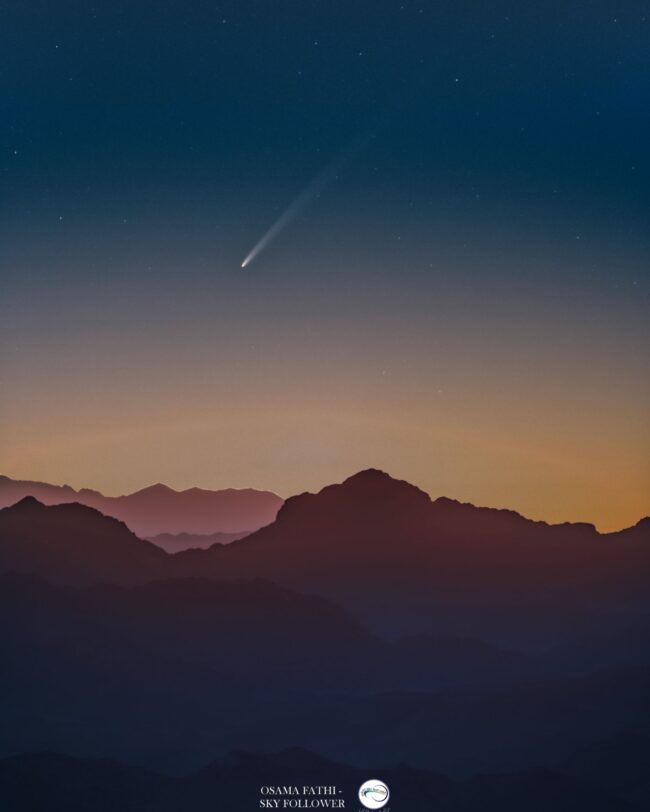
column 53, row 783
column 386, row 550
column 177, row 671
column 159, row 509
column 176, row 542
column 398, row 560
column 72, row 543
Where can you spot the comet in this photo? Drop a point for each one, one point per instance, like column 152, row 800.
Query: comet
column 310, row 193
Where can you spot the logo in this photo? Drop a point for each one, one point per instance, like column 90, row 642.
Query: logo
column 374, row 794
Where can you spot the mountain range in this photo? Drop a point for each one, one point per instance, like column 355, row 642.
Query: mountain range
column 160, row 510
column 394, row 556
column 367, row 623
column 384, row 550
column 176, row 542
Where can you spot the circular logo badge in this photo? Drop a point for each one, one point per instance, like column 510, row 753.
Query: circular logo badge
column 374, row 794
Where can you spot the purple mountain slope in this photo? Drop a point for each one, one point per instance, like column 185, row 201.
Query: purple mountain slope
column 158, row 509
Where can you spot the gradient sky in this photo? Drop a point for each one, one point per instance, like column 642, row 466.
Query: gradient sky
column 465, row 306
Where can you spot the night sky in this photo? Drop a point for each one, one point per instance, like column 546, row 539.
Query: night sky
column 463, row 303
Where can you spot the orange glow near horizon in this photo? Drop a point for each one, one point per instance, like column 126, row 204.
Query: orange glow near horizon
column 501, row 395
column 545, row 460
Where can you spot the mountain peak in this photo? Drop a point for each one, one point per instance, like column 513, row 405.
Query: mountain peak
column 157, row 488
column 26, row 503
column 370, row 475
column 371, row 493
column 377, row 482
column 74, row 543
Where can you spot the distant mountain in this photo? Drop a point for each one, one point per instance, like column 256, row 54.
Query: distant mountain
column 176, row 542
column 54, row 783
column 73, row 543
column 383, row 548
column 159, row 509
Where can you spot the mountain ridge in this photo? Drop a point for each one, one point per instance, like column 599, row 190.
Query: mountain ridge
column 159, row 509
column 366, row 476
column 380, row 547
